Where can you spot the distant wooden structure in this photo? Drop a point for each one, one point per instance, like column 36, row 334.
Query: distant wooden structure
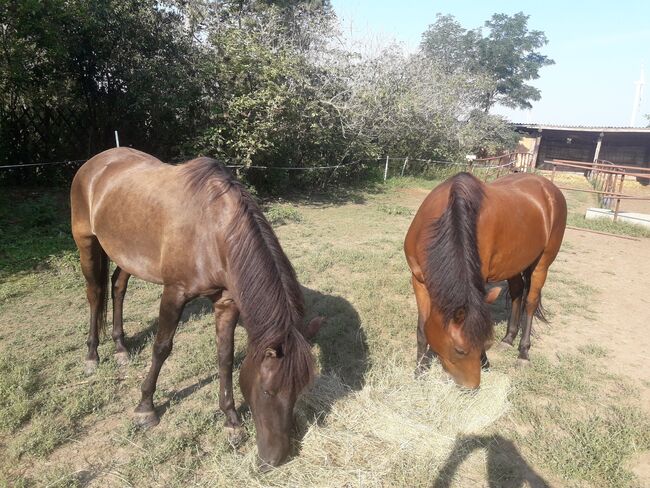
column 621, row 145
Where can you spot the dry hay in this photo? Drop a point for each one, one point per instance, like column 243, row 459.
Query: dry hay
column 396, row 431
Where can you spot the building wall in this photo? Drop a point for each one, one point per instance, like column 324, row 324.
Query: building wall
column 567, row 145
column 627, row 148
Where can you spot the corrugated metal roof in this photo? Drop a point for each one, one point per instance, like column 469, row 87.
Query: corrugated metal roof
column 584, row 128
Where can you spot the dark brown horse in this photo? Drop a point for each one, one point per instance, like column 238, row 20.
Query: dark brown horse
column 467, row 233
column 195, row 230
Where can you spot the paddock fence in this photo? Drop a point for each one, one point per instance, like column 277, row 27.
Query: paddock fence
column 607, row 180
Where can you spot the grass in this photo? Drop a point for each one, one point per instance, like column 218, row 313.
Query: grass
column 606, row 225
column 365, row 422
column 279, row 214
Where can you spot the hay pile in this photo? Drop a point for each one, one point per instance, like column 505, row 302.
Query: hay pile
column 396, row 431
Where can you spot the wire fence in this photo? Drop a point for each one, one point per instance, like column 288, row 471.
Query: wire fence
column 391, row 166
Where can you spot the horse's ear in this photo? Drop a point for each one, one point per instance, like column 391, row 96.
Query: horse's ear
column 313, row 327
column 493, row 294
column 459, row 316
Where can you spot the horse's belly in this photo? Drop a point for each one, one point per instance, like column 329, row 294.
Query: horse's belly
column 505, row 265
column 132, row 256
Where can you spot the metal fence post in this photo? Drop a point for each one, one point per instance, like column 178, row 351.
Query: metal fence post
column 386, row 169
column 405, row 163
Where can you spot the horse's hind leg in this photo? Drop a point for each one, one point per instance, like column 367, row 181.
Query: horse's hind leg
column 171, row 306
column 536, row 278
column 226, row 316
column 94, row 266
column 516, row 288
column 119, row 281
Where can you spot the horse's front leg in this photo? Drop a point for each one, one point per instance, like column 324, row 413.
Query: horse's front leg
column 171, row 306
column 226, row 315
column 424, row 353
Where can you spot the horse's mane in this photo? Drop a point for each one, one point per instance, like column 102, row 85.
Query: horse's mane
column 266, row 287
column 453, row 268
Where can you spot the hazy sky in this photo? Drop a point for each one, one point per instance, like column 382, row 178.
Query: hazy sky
column 598, row 48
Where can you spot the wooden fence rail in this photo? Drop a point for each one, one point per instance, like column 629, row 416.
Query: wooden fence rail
column 607, row 179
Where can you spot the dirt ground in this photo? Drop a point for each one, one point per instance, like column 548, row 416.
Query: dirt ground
column 619, row 270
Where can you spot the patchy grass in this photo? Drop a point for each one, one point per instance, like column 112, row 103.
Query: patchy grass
column 365, row 422
column 282, row 213
column 606, row 225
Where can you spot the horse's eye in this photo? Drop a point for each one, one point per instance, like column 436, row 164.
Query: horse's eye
column 266, row 393
column 460, row 351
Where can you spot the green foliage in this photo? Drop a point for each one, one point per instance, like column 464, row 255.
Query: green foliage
column 33, row 227
column 508, row 56
column 279, row 214
column 255, row 83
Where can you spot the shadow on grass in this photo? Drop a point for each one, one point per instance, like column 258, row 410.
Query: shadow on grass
column 500, row 309
column 341, row 340
column 342, row 350
column 34, row 224
column 506, row 467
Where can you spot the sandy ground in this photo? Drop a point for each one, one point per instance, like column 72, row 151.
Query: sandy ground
column 619, row 270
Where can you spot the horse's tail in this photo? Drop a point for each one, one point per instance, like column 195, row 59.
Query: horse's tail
column 104, row 283
column 539, row 312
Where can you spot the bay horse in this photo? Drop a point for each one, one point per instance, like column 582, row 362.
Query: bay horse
column 465, row 234
column 194, row 229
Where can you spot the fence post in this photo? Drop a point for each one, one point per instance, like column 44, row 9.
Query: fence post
column 553, row 173
column 405, row 163
column 386, row 169
column 620, row 187
column 117, row 140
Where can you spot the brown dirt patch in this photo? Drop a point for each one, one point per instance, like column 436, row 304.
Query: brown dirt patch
column 619, row 270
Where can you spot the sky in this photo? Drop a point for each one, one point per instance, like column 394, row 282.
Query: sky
column 599, row 49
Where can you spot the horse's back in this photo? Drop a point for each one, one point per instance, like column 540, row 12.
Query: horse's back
column 521, row 215
column 142, row 214
column 524, row 216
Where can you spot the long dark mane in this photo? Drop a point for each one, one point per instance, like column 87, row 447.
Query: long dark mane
column 265, row 284
column 453, row 269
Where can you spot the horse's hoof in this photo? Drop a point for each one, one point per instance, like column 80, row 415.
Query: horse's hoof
column 503, row 346
column 234, row 435
column 146, row 420
column 90, row 367
column 523, row 363
column 122, row 358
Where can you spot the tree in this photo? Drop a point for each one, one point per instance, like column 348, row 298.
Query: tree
column 508, row 55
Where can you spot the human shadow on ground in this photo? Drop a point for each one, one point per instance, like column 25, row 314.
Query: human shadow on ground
column 506, row 467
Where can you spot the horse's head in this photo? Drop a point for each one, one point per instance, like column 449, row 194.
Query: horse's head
column 271, row 397
column 459, row 356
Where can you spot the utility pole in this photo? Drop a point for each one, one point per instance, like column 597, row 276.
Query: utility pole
column 638, row 95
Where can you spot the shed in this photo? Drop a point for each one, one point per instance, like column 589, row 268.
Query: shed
column 623, row 145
